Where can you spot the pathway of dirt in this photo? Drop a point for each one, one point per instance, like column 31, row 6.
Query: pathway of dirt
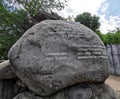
column 114, row 82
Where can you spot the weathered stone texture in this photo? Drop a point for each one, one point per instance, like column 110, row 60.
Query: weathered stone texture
column 53, row 55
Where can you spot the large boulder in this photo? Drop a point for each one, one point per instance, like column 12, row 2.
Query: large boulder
column 81, row 91
column 53, row 55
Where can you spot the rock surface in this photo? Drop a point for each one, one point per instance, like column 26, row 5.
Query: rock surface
column 5, row 71
column 113, row 52
column 81, row 91
column 53, row 55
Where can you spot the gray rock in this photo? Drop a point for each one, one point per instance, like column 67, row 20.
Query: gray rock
column 5, row 71
column 53, row 55
column 113, row 52
column 81, row 91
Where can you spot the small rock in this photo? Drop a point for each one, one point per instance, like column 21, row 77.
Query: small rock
column 5, row 71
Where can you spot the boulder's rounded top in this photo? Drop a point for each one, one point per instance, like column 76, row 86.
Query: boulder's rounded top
column 55, row 54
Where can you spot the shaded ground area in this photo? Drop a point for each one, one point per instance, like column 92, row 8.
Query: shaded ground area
column 114, row 82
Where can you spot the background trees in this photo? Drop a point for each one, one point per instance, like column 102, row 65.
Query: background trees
column 10, row 29
column 88, row 20
column 112, row 37
column 32, row 7
column 12, row 17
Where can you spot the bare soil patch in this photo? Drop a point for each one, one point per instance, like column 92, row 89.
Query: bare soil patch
column 114, row 82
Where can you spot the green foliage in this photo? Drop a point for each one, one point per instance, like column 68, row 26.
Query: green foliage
column 10, row 29
column 88, row 20
column 99, row 34
column 111, row 38
column 93, row 22
column 33, row 6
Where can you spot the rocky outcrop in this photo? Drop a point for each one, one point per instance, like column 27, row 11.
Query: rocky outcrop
column 56, row 60
column 113, row 52
column 58, row 54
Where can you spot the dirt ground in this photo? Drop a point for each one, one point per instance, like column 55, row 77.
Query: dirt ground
column 114, row 82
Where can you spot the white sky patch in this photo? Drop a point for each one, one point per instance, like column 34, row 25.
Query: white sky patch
column 79, row 6
column 109, row 25
column 104, row 7
column 12, row 4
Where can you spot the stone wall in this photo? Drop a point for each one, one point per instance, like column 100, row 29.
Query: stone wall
column 113, row 52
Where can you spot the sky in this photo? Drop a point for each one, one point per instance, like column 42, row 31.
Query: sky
column 107, row 10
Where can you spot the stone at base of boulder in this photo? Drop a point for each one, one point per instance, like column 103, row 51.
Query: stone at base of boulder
column 5, row 70
column 80, row 91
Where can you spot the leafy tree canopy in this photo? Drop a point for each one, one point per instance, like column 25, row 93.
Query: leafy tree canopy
column 10, row 29
column 33, row 6
column 111, row 37
column 91, row 21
